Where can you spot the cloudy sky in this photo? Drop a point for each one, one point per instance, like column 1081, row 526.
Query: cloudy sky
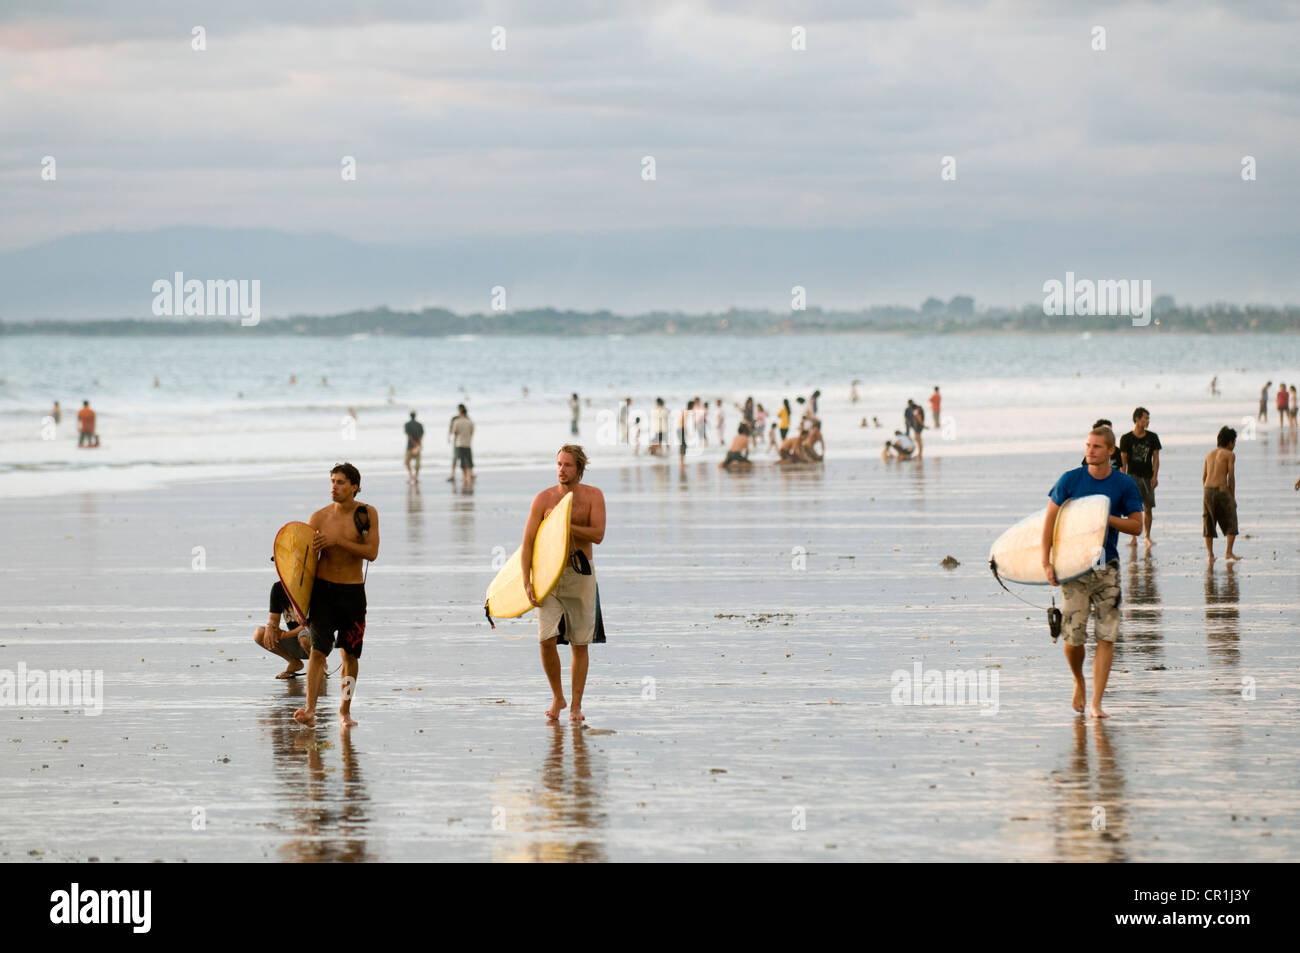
column 1053, row 140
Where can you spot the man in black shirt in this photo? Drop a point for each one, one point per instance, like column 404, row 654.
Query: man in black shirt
column 414, row 437
column 1139, row 451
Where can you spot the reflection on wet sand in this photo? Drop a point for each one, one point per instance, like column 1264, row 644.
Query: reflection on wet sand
column 1090, row 820
column 1142, row 638
column 1221, row 616
column 414, row 518
column 321, row 813
column 561, row 818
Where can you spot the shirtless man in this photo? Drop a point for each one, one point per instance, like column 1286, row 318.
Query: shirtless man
column 573, row 600
column 738, row 452
column 1219, row 478
column 346, row 533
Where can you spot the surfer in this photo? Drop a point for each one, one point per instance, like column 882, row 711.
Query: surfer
column 346, row 533
column 573, row 600
column 1219, row 478
column 1098, row 589
column 414, row 437
column 294, row 645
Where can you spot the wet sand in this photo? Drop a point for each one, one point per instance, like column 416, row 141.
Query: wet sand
column 770, row 609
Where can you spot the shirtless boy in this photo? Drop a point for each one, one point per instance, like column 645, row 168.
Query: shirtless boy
column 1219, row 478
column 738, row 452
column 346, row 533
column 573, row 600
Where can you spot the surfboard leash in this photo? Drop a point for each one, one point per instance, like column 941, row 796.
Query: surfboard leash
column 1053, row 614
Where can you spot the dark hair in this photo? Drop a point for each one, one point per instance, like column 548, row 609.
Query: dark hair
column 412, row 415
column 461, row 409
column 786, row 401
column 1226, row 436
column 1102, row 423
column 743, row 429
column 1139, row 412
column 350, row 473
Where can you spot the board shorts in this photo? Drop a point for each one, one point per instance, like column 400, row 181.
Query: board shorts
column 734, row 457
column 412, row 455
column 1218, row 507
column 465, row 457
column 338, row 607
column 1096, row 591
column 573, row 602
column 1145, row 491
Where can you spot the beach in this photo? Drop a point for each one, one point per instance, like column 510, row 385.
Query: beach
column 754, row 701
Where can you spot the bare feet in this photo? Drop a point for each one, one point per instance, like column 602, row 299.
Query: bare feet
column 576, row 716
column 1231, row 557
column 304, row 717
column 1211, row 559
column 290, row 670
column 1080, row 695
column 346, row 720
column 557, row 706
column 1094, row 711
column 1150, row 542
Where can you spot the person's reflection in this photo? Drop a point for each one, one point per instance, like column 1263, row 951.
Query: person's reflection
column 565, row 804
column 1091, row 821
column 462, row 523
column 1142, row 611
column 323, row 816
column 415, row 520
column 1222, row 616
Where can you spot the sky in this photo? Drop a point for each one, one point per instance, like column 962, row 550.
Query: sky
column 1143, row 140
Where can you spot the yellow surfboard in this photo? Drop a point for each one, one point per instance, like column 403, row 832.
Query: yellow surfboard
column 295, row 563
column 505, row 596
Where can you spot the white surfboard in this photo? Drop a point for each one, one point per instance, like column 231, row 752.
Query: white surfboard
column 1077, row 545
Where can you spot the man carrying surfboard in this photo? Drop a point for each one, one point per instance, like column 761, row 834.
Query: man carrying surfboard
column 573, row 600
column 1098, row 589
column 346, row 532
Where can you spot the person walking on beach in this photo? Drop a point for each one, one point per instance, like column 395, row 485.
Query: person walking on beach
column 347, row 532
column 1283, row 400
column 783, row 417
column 462, row 429
column 86, row 435
column 1219, row 496
column 683, row 419
column 451, row 440
column 414, row 437
column 574, row 406
column 1263, row 402
column 658, row 425
column 1139, row 453
column 1098, row 589
column 573, row 600
column 702, row 422
column 935, row 400
column 1293, row 406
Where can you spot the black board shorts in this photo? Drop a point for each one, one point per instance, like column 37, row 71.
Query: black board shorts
column 337, row 607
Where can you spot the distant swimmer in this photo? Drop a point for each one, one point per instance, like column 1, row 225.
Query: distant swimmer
column 1097, row 591
column 414, row 438
column 347, row 532
column 1139, row 452
column 738, row 452
column 294, row 644
column 573, row 600
column 1219, row 496
column 935, row 401
column 901, row 447
column 86, row 433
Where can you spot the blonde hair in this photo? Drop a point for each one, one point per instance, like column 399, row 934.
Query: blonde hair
column 1106, row 434
column 579, row 456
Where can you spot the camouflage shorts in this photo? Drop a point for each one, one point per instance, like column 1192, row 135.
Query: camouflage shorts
column 1098, row 591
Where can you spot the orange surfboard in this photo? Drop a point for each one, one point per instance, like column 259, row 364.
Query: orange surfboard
column 295, row 563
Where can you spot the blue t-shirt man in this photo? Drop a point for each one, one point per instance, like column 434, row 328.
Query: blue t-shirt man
column 1119, row 488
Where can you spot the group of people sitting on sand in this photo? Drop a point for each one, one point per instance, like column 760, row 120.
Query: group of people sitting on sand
column 803, row 446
